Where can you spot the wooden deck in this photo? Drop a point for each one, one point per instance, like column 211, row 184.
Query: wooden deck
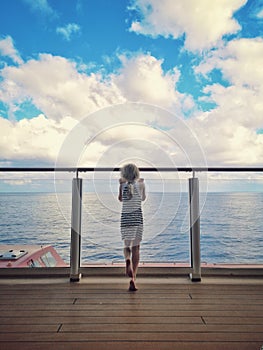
column 99, row 313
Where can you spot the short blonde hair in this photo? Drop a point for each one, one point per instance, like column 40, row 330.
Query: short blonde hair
column 130, row 172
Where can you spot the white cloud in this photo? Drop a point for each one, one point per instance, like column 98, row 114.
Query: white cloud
column 42, row 7
column 226, row 141
column 239, row 60
column 134, row 132
column 37, row 139
column 229, row 132
column 204, row 23
column 55, row 87
column 7, row 49
column 68, row 31
column 142, row 79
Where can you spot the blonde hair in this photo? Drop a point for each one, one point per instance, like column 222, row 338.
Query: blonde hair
column 130, row 173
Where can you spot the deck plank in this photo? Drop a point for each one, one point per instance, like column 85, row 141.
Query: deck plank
column 134, row 336
column 85, row 316
column 172, row 327
column 127, row 345
column 162, row 315
column 106, row 306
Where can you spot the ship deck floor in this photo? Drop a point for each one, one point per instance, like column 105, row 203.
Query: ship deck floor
column 99, row 313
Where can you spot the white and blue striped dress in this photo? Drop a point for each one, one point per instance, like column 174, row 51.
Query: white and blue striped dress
column 131, row 216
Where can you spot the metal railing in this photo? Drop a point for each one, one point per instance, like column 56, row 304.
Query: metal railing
column 76, row 210
column 142, row 169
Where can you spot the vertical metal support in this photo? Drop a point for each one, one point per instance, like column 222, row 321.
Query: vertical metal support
column 195, row 229
column 75, row 247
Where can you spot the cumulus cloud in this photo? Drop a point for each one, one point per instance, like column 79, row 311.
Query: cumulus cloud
column 230, row 131
column 142, row 79
column 239, row 60
column 55, row 87
column 68, row 31
column 226, row 141
column 36, row 139
column 204, row 23
column 131, row 132
column 7, row 49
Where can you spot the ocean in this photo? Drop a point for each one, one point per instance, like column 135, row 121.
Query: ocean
column 231, row 226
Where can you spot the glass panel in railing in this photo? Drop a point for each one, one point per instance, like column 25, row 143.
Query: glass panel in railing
column 231, row 220
column 166, row 221
column 33, row 229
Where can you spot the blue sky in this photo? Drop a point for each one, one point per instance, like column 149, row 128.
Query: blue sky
column 62, row 61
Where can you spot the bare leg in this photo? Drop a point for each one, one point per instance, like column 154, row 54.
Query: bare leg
column 135, row 263
column 127, row 255
column 135, row 259
column 127, row 252
column 131, row 266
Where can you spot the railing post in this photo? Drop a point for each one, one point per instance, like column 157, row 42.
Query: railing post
column 194, row 229
column 75, row 247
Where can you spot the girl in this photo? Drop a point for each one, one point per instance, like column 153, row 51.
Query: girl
column 131, row 193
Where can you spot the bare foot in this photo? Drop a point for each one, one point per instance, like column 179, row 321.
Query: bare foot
column 132, row 287
column 128, row 268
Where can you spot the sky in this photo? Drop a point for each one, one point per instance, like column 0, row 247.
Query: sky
column 162, row 83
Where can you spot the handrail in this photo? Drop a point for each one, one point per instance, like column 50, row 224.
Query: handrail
column 142, row 169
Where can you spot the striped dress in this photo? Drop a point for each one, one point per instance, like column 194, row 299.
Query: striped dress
column 131, row 216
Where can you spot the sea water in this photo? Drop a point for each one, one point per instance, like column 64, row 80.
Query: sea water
column 231, row 226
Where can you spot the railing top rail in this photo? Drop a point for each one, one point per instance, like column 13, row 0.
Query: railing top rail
column 142, row 169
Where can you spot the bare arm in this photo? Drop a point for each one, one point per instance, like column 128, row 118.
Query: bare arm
column 142, row 189
column 121, row 181
column 120, row 194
